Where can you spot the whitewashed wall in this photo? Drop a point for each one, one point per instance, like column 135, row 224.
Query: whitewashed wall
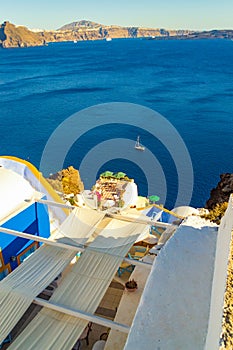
column 181, row 307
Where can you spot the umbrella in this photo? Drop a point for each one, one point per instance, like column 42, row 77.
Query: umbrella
column 154, row 198
column 119, row 175
column 106, row 174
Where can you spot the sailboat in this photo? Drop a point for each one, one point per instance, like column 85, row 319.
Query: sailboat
column 138, row 145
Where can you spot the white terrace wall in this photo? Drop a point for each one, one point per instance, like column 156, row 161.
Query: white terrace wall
column 181, row 307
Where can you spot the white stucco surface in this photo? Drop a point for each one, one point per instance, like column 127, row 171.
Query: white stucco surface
column 174, row 310
column 219, row 280
column 35, row 181
column 182, row 304
column 14, row 189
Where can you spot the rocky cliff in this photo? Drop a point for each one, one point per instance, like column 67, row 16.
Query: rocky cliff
column 80, row 24
column 67, row 181
column 19, row 36
column 222, row 192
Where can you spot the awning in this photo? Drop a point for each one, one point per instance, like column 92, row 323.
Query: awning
column 20, row 287
column 82, row 289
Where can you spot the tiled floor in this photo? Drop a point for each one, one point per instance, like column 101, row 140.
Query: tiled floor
column 111, row 299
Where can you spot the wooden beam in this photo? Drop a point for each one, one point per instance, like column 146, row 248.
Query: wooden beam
column 113, row 216
column 83, row 315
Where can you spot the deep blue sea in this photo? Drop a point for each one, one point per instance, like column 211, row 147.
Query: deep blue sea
column 189, row 82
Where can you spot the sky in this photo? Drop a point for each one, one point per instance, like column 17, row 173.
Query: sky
column 170, row 14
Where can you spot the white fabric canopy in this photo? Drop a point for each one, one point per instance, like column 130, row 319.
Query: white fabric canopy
column 19, row 288
column 82, row 289
column 82, row 220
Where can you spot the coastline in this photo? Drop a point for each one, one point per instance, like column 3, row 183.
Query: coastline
column 12, row 36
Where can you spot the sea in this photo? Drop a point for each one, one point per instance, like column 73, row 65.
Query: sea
column 187, row 82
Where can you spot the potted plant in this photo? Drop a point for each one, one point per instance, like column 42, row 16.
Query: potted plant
column 131, row 285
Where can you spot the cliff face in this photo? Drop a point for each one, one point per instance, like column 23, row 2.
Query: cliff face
column 222, row 192
column 80, row 24
column 19, row 36
column 13, row 36
column 67, row 181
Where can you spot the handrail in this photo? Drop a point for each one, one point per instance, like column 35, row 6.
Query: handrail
column 164, row 209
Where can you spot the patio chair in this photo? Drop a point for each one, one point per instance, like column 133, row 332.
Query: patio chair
column 154, row 231
column 125, row 267
column 85, row 334
column 138, row 252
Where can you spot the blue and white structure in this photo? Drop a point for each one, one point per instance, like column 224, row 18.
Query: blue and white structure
column 19, row 212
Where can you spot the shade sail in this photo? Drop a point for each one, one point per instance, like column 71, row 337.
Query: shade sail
column 82, row 289
column 79, row 226
column 19, row 288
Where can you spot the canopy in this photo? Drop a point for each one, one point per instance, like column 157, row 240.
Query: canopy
column 83, row 289
column 21, row 286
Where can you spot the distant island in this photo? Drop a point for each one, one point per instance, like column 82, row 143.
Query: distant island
column 19, row 36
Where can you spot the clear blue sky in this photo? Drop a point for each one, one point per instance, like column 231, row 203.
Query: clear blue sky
column 171, row 14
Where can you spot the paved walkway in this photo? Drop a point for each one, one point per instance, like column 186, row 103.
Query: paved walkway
column 128, row 306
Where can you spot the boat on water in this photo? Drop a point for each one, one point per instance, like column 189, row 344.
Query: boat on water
column 138, row 145
column 108, row 39
column 75, row 41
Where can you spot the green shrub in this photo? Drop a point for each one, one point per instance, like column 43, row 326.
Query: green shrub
column 216, row 213
column 72, row 201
